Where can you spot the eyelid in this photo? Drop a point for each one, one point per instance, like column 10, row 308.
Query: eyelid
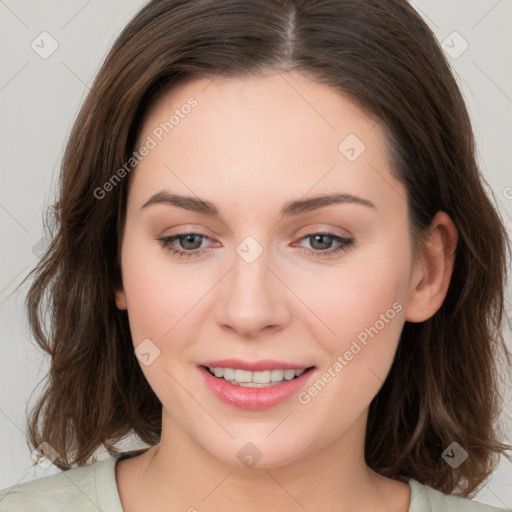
column 314, row 229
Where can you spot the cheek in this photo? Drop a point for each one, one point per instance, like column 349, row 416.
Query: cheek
column 160, row 298
column 366, row 293
column 365, row 308
column 158, row 292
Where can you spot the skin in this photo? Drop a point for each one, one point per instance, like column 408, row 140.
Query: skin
column 250, row 145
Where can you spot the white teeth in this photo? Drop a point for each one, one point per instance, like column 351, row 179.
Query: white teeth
column 243, row 376
column 261, row 377
column 257, row 379
column 228, row 373
column 276, row 375
column 289, row 374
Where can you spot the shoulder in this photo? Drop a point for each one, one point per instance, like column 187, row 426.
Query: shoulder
column 427, row 499
column 84, row 489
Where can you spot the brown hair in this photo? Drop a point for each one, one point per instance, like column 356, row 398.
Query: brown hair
column 444, row 382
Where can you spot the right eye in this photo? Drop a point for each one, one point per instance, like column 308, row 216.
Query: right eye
column 185, row 240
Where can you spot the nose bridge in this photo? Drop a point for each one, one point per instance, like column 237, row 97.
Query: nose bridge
column 253, row 298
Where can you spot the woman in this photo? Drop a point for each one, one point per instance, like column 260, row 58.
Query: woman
column 276, row 264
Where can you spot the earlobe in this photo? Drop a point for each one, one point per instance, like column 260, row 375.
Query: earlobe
column 120, row 299
column 432, row 270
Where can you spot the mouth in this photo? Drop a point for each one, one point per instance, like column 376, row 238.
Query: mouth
column 256, row 379
column 257, row 385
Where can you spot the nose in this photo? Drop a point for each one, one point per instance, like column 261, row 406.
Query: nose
column 252, row 299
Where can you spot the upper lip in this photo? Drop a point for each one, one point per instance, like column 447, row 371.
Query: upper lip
column 254, row 366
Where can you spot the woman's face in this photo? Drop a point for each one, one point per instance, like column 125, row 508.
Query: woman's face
column 272, row 277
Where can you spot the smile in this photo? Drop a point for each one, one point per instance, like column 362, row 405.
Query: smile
column 259, row 379
column 256, row 388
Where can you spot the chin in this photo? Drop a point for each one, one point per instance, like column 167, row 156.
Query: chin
column 256, row 452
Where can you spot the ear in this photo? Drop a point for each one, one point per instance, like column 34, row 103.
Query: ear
column 432, row 269
column 119, row 294
column 120, row 299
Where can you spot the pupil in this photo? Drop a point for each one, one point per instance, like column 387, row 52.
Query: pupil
column 189, row 239
column 319, row 237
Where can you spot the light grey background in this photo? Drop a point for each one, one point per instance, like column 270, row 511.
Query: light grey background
column 40, row 97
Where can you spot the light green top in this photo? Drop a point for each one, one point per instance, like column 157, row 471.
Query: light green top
column 93, row 488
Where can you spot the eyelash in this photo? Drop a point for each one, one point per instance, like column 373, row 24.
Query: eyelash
column 345, row 244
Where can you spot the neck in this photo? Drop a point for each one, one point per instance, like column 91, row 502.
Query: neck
column 179, row 474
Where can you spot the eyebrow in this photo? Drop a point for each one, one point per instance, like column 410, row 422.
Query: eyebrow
column 290, row 208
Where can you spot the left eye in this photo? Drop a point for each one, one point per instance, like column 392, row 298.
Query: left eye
column 327, row 239
column 191, row 243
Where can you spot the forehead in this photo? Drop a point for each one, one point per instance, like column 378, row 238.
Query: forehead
column 281, row 132
column 292, row 100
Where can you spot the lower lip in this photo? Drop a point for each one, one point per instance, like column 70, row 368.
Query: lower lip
column 254, row 398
